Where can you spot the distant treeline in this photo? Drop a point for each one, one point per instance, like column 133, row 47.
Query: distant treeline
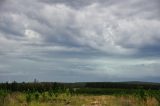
column 41, row 86
column 45, row 86
column 124, row 85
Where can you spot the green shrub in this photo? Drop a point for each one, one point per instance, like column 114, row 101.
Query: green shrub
column 28, row 98
column 67, row 92
column 36, row 96
column 50, row 93
column 157, row 96
column 3, row 94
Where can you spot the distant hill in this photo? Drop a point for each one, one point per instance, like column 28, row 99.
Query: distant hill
column 52, row 85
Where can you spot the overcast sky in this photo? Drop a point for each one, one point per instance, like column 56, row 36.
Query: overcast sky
column 80, row 40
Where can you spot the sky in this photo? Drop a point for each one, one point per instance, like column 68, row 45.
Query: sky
column 80, row 40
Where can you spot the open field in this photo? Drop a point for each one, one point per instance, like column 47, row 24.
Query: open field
column 45, row 99
column 40, row 94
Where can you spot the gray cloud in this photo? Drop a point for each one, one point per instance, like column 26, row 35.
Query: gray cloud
column 38, row 34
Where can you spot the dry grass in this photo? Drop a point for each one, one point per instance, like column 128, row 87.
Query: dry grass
column 18, row 99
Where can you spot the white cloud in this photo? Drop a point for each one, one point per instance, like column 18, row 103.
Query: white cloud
column 32, row 36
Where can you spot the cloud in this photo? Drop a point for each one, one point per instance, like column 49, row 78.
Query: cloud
column 33, row 31
column 93, row 26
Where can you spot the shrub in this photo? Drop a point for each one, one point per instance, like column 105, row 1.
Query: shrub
column 28, row 98
column 50, row 93
column 157, row 96
column 36, row 96
column 3, row 94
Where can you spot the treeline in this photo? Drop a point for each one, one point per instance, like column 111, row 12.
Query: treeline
column 40, row 87
column 45, row 86
column 124, row 85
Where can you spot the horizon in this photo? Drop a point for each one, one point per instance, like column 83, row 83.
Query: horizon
column 80, row 41
column 37, row 81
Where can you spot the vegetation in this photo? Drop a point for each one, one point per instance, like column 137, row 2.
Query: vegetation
column 79, row 94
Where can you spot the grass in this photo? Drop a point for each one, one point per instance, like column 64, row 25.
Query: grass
column 68, row 99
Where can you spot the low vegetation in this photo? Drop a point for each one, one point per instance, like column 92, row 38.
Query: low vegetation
column 40, row 94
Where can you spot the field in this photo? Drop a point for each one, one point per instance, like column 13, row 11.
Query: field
column 39, row 94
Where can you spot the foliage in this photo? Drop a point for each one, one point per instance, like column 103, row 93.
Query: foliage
column 28, row 98
column 64, row 93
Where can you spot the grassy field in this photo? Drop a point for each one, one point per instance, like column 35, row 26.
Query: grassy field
column 66, row 98
column 80, row 94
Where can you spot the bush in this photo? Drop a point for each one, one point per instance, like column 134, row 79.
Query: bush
column 157, row 96
column 36, row 96
column 50, row 93
column 28, row 98
column 3, row 94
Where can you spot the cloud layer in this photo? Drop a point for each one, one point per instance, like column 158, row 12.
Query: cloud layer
column 70, row 39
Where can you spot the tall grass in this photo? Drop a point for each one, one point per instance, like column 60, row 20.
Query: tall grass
column 80, row 97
